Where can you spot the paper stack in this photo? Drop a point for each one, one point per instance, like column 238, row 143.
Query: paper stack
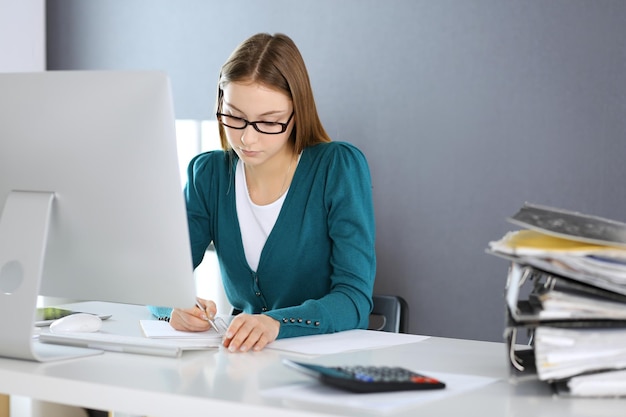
column 566, row 288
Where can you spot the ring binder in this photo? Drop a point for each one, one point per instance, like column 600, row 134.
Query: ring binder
column 568, row 293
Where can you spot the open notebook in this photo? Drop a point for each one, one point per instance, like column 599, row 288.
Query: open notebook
column 158, row 329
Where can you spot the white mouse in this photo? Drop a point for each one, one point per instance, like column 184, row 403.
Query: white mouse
column 78, row 322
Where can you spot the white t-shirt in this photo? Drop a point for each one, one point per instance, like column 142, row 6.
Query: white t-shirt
column 255, row 222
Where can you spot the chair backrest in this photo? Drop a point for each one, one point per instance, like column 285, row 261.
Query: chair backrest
column 389, row 314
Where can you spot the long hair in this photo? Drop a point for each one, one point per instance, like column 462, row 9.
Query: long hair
column 275, row 62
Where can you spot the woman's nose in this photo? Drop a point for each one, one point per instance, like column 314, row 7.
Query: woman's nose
column 249, row 135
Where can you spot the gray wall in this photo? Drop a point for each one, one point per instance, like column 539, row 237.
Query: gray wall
column 465, row 110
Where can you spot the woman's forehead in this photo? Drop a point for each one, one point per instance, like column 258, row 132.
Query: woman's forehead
column 255, row 98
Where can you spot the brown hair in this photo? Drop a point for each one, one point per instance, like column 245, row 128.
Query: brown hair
column 275, row 62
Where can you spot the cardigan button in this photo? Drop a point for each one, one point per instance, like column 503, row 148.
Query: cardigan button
column 292, row 320
column 285, row 320
column 263, row 309
column 308, row 322
column 258, row 293
column 317, row 323
column 299, row 320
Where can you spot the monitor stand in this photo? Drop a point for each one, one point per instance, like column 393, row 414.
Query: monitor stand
column 23, row 237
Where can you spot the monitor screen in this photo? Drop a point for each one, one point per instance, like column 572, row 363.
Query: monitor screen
column 90, row 191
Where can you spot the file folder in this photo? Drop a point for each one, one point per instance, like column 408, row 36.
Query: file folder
column 566, row 291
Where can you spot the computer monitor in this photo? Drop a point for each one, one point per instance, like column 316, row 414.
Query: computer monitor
column 90, row 195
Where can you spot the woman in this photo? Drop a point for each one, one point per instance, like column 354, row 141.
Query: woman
column 289, row 212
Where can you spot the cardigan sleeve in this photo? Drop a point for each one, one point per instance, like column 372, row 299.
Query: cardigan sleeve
column 351, row 228
column 200, row 175
column 198, row 217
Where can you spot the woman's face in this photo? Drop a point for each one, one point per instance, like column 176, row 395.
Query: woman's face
column 257, row 103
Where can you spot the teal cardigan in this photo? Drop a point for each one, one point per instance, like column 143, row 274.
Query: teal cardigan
column 317, row 268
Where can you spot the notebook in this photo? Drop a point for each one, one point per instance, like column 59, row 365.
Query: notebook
column 158, row 329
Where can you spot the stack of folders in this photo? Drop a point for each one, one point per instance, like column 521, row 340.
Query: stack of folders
column 566, row 289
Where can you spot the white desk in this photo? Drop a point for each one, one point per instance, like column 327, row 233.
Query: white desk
column 220, row 383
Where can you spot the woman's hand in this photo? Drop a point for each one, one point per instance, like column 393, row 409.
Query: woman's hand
column 250, row 332
column 193, row 319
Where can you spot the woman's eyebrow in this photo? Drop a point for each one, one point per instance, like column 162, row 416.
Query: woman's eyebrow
column 232, row 106
column 267, row 113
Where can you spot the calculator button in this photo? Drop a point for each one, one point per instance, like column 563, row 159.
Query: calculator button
column 374, row 378
column 364, row 377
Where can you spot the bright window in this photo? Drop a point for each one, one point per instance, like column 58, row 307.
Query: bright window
column 194, row 137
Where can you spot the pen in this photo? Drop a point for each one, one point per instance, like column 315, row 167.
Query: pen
column 211, row 322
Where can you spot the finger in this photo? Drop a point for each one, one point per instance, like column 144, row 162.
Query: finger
column 261, row 343
column 251, row 340
column 238, row 332
column 209, row 307
column 188, row 320
column 235, row 325
column 270, row 327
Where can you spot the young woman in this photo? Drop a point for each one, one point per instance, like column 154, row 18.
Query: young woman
column 289, row 212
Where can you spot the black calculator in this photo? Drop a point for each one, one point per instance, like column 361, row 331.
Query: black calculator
column 368, row 378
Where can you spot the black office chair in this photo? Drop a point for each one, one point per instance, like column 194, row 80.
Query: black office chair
column 389, row 314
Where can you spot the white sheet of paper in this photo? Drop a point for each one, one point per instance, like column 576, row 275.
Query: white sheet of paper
column 384, row 402
column 345, row 341
column 158, row 329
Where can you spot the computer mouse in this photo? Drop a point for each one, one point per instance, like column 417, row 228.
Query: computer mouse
column 78, row 322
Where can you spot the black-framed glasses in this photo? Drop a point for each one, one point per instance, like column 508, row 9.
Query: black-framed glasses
column 239, row 123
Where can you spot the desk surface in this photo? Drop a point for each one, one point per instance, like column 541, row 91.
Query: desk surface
column 216, row 381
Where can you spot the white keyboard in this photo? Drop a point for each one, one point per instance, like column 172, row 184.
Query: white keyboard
column 129, row 344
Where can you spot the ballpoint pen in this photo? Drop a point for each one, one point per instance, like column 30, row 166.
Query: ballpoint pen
column 211, row 322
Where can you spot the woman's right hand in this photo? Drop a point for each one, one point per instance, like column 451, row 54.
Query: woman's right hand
column 193, row 319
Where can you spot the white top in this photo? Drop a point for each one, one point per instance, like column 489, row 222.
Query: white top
column 256, row 222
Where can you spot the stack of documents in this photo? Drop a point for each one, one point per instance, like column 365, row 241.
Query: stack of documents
column 566, row 288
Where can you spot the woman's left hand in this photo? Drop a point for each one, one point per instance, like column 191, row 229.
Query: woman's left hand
column 250, row 332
